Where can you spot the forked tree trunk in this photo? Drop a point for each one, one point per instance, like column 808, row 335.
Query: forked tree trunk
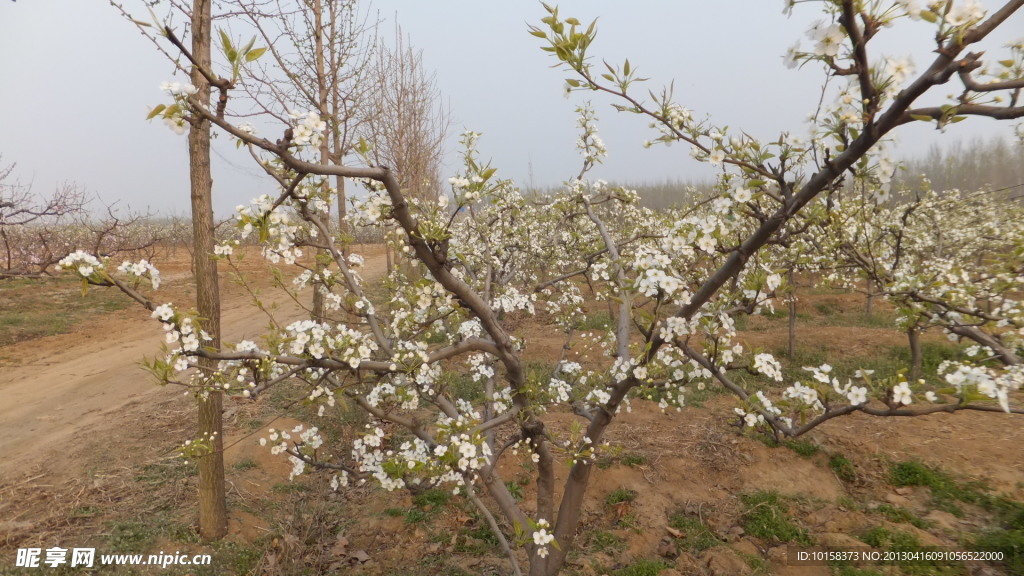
column 213, row 523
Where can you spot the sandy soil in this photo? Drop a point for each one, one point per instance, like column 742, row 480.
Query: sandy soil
column 89, row 384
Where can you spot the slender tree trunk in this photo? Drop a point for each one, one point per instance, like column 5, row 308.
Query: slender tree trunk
column 213, row 522
column 914, row 337
column 319, row 312
column 342, row 208
column 791, row 347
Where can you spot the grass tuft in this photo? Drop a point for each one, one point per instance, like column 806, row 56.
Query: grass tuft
column 645, row 567
column 766, row 516
column 621, row 495
column 696, row 536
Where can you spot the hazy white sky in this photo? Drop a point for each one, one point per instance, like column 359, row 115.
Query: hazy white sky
column 78, row 81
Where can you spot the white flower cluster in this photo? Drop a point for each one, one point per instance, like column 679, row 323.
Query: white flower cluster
column 984, row 381
column 139, row 269
column 897, row 70
column 901, row 394
column 309, row 441
column 559, row 390
column 510, row 300
column 541, row 537
column 309, row 128
column 965, row 13
column 480, row 368
column 750, row 419
column 598, row 397
column 469, row 453
column 467, row 190
column 182, row 335
column 828, row 38
column 85, row 264
column 277, row 225
column 370, row 211
column 805, row 394
column 911, row 7
column 173, row 117
column 366, row 451
column 589, row 144
column 655, row 275
column 178, row 89
column 318, row 340
column 856, row 395
column 767, row 364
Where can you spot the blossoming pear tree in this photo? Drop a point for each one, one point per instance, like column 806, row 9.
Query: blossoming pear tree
column 674, row 281
column 949, row 260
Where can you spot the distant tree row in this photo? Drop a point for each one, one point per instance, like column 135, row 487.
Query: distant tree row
column 972, row 165
column 995, row 163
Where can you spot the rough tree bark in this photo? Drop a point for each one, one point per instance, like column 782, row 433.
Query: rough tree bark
column 212, row 507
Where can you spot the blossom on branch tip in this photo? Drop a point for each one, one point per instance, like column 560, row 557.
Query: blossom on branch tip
column 965, row 13
column 901, row 394
column 828, row 37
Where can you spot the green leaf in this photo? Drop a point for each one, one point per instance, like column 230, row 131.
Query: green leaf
column 249, row 46
column 625, row 67
column 155, row 111
column 921, row 117
column 1007, row 63
column 956, row 119
column 225, row 41
column 538, row 32
column 929, row 16
column 254, row 54
column 572, row 82
column 572, row 21
column 363, row 147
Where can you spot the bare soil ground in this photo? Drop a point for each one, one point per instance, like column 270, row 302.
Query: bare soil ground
column 88, row 459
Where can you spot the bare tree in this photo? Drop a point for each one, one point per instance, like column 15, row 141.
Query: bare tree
column 22, row 214
column 409, row 132
column 321, row 55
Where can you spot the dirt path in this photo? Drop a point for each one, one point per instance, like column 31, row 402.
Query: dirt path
column 89, row 385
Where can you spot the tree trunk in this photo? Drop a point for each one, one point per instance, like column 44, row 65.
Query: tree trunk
column 319, row 312
column 213, row 522
column 791, row 344
column 914, row 336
